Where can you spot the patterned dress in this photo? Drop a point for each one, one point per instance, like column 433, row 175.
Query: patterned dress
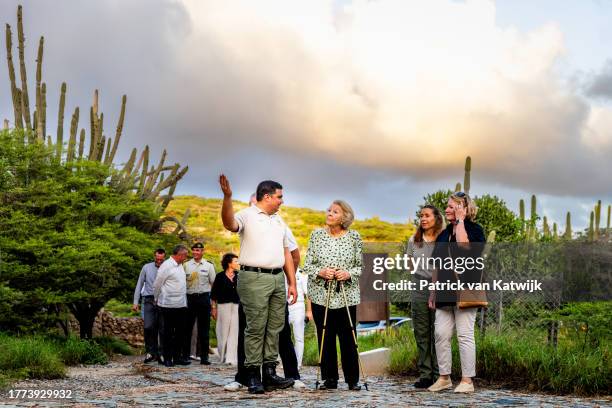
column 344, row 253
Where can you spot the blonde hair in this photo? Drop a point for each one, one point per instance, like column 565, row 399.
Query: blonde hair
column 348, row 216
column 470, row 207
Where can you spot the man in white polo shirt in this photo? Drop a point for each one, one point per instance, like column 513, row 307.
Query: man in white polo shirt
column 264, row 254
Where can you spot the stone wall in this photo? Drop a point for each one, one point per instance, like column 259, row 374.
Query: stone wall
column 129, row 329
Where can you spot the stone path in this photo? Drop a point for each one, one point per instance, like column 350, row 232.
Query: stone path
column 126, row 382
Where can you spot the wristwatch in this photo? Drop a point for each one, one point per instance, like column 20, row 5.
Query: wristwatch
column 458, row 222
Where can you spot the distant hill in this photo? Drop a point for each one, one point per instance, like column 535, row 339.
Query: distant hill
column 205, row 224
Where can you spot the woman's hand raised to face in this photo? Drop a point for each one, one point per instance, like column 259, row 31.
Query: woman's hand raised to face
column 459, row 212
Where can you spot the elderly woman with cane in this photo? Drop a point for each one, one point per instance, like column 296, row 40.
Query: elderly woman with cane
column 333, row 264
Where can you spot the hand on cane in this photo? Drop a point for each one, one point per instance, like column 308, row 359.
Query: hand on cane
column 342, row 276
column 327, row 273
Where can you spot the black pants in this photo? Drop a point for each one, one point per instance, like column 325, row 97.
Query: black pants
column 285, row 349
column 338, row 325
column 173, row 331
column 198, row 306
column 151, row 325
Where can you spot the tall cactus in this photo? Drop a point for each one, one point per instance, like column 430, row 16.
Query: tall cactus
column 59, row 146
column 457, row 187
column 591, row 232
column 568, row 226
column 137, row 178
column 522, row 214
column 545, row 227
column 22, row 70
column 597, row 219
column 555, row 231
column 466, row 175
column 608, row 221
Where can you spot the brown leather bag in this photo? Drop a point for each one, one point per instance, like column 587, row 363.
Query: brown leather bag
column 470, row 298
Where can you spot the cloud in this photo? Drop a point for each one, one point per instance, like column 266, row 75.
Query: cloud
column 348, row 97
column 600, row 84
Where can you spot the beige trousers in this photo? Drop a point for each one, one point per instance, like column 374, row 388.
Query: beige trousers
column 447, row 321
column 227, row 332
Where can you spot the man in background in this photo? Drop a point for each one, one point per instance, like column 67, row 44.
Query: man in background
column 200, row 276
column 144, row 290
column 169, row 290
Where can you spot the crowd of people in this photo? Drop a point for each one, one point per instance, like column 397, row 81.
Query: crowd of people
column 261, row 294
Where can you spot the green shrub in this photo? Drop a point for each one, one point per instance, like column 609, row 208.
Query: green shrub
column 74, row 351
column 113, row 345
column 29, row 357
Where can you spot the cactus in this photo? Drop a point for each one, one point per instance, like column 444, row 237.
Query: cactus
column 522, row 214
column 119, row 130
column 591, row 232
column 608, row 221
column 147, row 183
column 5, row 125
column 59, row 146
column 81, row 143
column 39, row 61
column 568, row 226
column 457, row 187
column 11, row 72
column 466, row 175
column 545, row 227
column 22, row 70
column 597, row 219
column 555, row 231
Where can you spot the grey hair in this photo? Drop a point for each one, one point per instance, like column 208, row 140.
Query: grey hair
column 179, row 248
column 348, row 215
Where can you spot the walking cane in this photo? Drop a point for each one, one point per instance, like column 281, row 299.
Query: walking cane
column 329, row 290
column 365, row 379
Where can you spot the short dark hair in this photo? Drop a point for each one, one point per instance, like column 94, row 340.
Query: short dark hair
column 266, row 187
column 160, row 251
column 179, row 248
column 227, row 259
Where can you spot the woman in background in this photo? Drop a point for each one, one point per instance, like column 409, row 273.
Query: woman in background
column 461, row 238
column 421, row 245
column 225, row 302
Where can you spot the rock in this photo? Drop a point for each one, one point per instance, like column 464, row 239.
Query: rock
column 375, row 362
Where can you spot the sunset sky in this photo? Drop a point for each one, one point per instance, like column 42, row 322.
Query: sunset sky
column 376, row 102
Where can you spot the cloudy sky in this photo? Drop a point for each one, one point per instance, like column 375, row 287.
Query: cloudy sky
column 377, row 102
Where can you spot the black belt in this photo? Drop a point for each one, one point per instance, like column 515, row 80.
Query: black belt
column 273, row 271
column 148, row 297
column 198, row 294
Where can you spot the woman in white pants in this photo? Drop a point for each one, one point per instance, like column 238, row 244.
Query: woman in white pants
column 225, row 302
column 461, row 238
column 297, row 315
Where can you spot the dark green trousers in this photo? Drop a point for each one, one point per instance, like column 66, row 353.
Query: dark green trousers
column 423, row 320
column 263, row 300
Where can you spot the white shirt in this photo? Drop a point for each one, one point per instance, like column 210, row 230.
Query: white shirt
column 170, row 286
column 301, row 282
column 263, row 238
column 200, row 276
column 292, row 242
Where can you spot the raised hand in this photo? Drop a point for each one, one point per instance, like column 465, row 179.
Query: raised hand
column 225, row 185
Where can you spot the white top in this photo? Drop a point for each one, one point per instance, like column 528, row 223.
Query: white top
column 200, row 276
column 170, row 286
column 302, row 286
column 292, row 242
column 263, row 238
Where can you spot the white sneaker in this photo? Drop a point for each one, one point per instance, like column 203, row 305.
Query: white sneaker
column 440, row 385
column 233, row 386
column 465, row 387
column 196, row 358
column 298, row 385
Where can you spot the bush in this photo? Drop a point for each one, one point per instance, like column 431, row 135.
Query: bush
column 76, row 351
column 29, row 357
column 113, row 345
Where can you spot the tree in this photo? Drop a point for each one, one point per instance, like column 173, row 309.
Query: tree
column 70, row 241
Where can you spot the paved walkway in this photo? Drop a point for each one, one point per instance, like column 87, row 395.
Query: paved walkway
column 126, row 382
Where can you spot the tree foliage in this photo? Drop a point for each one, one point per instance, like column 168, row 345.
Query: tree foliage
column 69, row 241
